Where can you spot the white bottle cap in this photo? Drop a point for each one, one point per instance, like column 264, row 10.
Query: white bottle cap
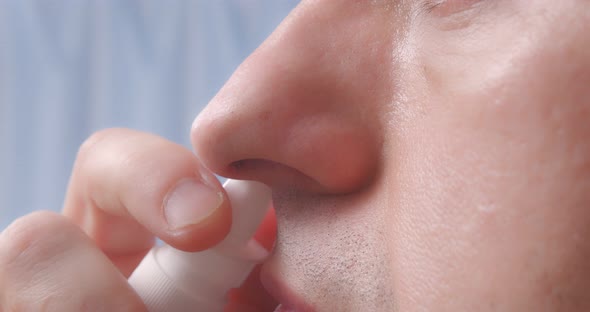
column 175, row 281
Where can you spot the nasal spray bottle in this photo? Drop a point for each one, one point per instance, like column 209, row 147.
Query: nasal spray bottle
column 171, row 280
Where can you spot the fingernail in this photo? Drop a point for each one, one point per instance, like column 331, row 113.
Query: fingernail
column 189, row 203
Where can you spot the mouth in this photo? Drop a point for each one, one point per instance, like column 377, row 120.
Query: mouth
column 273, row 279
column 289, row 301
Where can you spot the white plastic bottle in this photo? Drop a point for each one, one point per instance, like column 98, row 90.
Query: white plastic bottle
column 171, row 280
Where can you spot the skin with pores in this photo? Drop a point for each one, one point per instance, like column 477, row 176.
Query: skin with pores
column 459, row 136
column 423, row 155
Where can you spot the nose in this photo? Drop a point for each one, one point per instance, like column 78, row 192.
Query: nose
column 302, row 111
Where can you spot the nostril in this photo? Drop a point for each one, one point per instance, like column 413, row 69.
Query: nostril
column 255, row 164
column 274, row 174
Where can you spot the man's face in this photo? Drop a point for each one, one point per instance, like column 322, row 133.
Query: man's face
column 424, row 155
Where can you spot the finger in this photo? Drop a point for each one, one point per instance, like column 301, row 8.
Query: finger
column 252, row 296
column 127, row 186
column 266, row 234
column 48, row 264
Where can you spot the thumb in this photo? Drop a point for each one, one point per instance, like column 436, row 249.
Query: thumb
column 128, row 187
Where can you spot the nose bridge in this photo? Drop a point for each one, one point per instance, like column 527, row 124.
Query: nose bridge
column 295, row 103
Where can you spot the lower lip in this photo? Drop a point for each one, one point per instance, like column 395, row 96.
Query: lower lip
column 282, row 308
column 289, row 303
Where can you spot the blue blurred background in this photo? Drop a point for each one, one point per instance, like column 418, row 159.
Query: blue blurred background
column 71, row 67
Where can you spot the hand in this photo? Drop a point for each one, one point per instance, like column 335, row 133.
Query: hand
column 126, row 189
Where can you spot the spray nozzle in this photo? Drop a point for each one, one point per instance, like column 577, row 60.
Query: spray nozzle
column 172, row 280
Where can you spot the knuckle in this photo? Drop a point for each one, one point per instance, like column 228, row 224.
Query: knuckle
column 99, row 157
column 92, row 143
column 29, row 249
column 29, row 240
column 39, row 271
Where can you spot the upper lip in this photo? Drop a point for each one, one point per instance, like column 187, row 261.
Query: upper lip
column 281, row 292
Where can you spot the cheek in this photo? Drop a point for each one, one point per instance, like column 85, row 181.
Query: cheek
column 497, row 221
column 492, row 181
column 443, row 8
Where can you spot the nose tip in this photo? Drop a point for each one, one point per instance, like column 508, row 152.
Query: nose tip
column 231, row 143
column 284, row 149
column 212, row 136
column 297, row 113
